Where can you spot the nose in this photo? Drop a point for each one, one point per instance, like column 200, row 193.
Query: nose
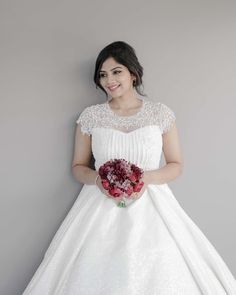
column 109, row 79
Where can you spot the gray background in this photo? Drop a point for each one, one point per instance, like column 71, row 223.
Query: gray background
column 48, row 50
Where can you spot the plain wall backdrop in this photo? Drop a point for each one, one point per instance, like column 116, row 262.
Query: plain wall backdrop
column 48, row 52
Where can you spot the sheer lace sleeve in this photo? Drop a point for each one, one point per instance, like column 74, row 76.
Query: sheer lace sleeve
column 101, row 116
column 167, row 118
column 85, row 120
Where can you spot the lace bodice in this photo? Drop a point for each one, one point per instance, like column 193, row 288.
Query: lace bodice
column 150, row 113
column 136, row 138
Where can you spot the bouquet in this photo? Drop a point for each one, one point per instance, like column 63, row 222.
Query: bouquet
column 121, row 178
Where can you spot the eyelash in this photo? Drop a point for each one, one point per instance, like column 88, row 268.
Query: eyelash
column 102, row 75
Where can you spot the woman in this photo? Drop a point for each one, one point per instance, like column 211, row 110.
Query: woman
column 151, row 246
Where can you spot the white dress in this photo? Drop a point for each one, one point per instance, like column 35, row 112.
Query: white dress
column 150, row 247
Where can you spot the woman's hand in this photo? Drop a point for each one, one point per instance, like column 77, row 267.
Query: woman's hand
column 138, row 195
column 100, row 186
column 133, row 196
column 105, row 192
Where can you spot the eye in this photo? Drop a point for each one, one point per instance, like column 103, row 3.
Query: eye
column 101, row 75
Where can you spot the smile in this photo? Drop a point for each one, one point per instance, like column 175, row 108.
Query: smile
column 113, row 87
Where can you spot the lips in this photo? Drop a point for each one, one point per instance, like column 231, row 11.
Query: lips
column 114, row 87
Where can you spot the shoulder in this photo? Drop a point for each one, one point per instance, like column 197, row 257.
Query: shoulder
column 163, row 114
column 159, row 106
column 88, row 117
column 89, row 112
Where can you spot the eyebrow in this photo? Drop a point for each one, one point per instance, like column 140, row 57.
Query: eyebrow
column 111, row 69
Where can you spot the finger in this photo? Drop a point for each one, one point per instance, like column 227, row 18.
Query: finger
column 108, row 195
column 105, row 194
column 136, row 195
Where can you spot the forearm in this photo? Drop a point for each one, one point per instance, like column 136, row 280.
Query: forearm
column 84, row 174
column 164, row 174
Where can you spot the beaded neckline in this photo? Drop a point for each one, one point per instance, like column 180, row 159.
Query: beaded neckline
column 141, row 109
column 150, row 113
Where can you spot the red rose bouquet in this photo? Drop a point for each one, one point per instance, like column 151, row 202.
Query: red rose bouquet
column 121, row 178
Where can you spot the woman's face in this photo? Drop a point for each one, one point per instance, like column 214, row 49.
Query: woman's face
column 115, row 78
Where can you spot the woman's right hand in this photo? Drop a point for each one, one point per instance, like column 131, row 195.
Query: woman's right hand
column 104, row 191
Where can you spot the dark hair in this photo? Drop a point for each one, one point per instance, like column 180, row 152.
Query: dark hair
column 124, row 54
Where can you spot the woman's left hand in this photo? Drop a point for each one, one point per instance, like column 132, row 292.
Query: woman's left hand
column 138, row 195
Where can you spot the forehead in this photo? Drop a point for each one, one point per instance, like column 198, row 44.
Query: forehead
column 110, row 63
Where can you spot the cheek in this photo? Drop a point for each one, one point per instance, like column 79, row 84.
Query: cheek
column 124, row 79
column 101, row 81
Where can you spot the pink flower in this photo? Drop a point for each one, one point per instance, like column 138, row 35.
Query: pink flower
column 129, row 190
column 120, row 177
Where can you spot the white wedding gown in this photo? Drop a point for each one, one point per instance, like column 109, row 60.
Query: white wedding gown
column 150, row 247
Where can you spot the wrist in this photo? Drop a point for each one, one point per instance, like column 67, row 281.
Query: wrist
column 96, row 179
column 146, row 178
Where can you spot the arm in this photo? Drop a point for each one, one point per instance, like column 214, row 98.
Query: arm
column 173, row 158
column 82, row 157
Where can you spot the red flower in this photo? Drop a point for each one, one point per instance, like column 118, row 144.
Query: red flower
column 105, row 183
column 133, row 177
column 138, row 186
column 120, row 177
column 115, row 192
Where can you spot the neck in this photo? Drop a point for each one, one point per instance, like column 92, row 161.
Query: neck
column 125, row 102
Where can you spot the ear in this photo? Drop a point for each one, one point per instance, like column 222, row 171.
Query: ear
column 133, row 76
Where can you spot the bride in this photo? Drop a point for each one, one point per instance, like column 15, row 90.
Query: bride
column 151, row 246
